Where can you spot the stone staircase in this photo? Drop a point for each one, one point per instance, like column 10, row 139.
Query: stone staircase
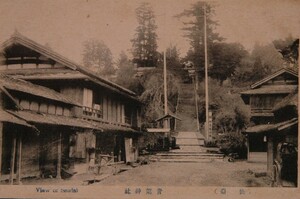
column 186, row 110
column 190, row 141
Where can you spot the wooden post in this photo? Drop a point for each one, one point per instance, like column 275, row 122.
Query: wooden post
column 12, row 160
column 165, row 85
column 1, row 143
column 206, row 76
column 58, row 176
column 19, row 162
column 248, row 147
column 195, row 82
column 270, row 157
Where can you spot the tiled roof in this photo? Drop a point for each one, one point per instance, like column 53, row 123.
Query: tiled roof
column 33, row 89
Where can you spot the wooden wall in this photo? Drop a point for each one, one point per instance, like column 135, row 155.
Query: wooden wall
column 75, row 93
column 30, row 155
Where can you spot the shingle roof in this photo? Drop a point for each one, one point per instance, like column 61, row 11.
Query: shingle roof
column 7, row 117
column 40, row 118
column 290, row 100
column 264, row 128
column 278, row 89
column 116, row 128
column 45, row 74
column 18, row 38
column 279, row 72
column 168, row 115
column 33, row 89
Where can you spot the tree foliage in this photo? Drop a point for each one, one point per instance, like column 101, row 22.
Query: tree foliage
column 262, row 61
column 289, row 49
column 144, row 44
column 126, row 74
column 194, row 29
column 226, row 57
column 173, row 60
column 230, row 117
column 98, row 57
column 172, row 57
column 153, row 96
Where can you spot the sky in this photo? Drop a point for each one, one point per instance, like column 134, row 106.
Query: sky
column 64, row 25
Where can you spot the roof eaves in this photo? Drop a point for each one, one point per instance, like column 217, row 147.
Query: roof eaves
column 279, row 72
column 18, row 38
column 54, row 95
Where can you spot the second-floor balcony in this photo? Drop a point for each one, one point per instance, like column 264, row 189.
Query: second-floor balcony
column 91, row 112
column 97, row 115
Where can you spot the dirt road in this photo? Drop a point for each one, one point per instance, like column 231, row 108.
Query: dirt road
column 216, row 173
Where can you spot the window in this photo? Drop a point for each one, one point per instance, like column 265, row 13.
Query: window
column 51, row 109
column 43, row 108
column 24, row 104
column 59, row 110
column 87, row 98
column 34, row 106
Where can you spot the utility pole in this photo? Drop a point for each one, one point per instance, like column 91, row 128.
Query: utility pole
column 165, row 84
column 206, row 76
column 196, row 98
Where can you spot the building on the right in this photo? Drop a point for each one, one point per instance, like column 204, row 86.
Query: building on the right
column 274, row 131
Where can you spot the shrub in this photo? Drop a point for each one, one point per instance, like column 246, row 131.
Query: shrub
column 210, row 143
column 232, row 143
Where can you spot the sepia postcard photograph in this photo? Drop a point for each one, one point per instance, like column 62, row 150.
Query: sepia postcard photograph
column 149, row 99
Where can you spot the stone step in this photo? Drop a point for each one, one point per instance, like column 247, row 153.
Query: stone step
column 187, row 157
column 178, row 151
column 185, row 96
column 190, row 148
column 188, row 160
column 189, row 138
column 188, row 144
column 189, row 154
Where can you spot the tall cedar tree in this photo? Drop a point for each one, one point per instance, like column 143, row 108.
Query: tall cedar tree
column 144, row 43
column 194, row 28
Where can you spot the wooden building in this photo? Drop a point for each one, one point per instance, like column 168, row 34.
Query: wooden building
column 48, row 120
column 269, row 126
column 113, row 109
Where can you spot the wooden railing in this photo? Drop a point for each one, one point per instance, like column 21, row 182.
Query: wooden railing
column 128, row 120
column 92, row 112
column 97, row 115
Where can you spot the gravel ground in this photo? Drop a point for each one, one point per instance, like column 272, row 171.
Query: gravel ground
column 216, row 173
